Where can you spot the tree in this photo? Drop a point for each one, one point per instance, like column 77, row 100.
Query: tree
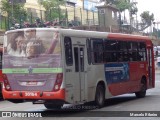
column 122, row 5
column 146, row 19
column 14, row 11
column 133, row 8
column 52, row 8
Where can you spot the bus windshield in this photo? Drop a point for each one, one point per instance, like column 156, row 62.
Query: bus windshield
column 31, row 48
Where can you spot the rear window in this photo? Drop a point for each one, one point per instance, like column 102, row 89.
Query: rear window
column 32, row 48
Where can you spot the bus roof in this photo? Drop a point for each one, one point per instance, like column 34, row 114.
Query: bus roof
column 89, row 34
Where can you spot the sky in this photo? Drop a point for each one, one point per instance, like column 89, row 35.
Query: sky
column 153, row 6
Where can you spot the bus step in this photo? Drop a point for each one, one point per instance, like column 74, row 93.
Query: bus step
column 39, row 102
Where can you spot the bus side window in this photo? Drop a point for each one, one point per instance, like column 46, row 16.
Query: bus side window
column 142, row 51
column 110, row 50
column 122, row 51
column 132, row 51
column 97, row 50
column 68, row 51
column 89, row 51
column 76, row 55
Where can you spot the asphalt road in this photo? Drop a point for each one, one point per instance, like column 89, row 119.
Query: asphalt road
column 115, row 108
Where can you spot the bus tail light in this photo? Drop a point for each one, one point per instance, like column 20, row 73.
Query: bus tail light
column 6, row 83
column 58, row 81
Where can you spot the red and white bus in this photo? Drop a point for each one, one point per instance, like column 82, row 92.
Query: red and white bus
column 75, row 66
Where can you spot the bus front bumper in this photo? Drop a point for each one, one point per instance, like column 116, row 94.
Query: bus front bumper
column 34, row 95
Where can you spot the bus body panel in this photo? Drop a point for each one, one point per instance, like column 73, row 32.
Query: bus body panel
column 95, row 75
column 136, row 72
column 137, row 69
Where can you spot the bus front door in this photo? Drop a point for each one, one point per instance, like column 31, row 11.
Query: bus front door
column 75, row 70
column 79, row 76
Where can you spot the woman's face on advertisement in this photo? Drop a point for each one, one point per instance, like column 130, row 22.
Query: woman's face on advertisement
column 19, row 41
column 30, row 50
column 30, row 34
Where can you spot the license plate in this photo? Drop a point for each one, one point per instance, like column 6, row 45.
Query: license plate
column 31, row 94
column 31, row 83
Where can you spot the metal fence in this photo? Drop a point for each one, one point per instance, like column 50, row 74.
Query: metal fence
column 64, row 17
column 70, row 17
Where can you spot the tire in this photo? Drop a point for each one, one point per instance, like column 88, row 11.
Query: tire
column 100, row 96
column 51, row 106
column 142, row 92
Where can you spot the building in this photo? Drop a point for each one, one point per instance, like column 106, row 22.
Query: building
column 108, row 17
column 34, row 8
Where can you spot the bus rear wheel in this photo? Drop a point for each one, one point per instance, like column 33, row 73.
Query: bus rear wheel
column 142, row 92
column 52, row 106
column 100, row 96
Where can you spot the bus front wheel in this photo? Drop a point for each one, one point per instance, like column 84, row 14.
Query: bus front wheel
column 142, row 92
column 100, row 96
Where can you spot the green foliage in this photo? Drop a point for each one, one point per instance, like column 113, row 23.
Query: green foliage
column 147, row 18
column 122, row 4
column 55, row 13
column 133, row 8
column 15, row 11
column 48, row 4
column 53, row 8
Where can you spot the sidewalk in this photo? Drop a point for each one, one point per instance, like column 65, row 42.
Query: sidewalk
column 157, row 70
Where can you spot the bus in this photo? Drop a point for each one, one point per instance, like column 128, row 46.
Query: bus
column 1, row 77
column 54, row 66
